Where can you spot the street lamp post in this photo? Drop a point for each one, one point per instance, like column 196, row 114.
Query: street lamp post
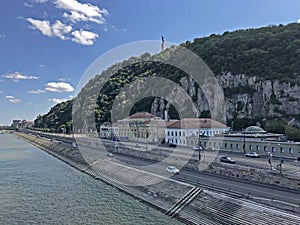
column 199, row 143
column 244, row 145
column 281, row 160
column 270, row 159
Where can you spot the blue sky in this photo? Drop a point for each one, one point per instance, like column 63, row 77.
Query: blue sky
column 46, row 45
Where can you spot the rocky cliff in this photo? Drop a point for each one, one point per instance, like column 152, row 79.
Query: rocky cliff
column 246, row 97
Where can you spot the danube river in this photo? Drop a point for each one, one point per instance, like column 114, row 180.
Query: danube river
column 36, row 188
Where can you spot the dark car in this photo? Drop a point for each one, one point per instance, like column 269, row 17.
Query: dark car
column 226, row 159
column 172, row 145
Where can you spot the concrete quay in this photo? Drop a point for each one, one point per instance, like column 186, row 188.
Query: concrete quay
column 186, row 202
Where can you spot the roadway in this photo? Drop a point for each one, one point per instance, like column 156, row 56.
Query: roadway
column 215, row 181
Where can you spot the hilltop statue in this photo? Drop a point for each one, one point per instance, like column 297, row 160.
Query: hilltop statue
column 162, row 43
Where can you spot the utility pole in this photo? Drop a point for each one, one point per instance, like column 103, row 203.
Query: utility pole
column 199, row 143
column 244, row 145
column 281, row 159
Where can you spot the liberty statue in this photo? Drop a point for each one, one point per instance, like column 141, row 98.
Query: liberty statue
column 162, row 43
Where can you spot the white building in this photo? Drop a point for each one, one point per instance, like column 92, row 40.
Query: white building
column 178, row 132
column 109, row 131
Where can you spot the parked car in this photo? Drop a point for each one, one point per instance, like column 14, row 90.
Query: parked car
column 197, row 148
column 110, row 154
column 210, row 148
column 172, row 145
column 252, row 155
column 226, row 159
column 173, row 169
column 138, row 146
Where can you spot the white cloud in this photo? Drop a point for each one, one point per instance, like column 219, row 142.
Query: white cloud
column 17, row 76
column 58, row 29
column 42, row 25
column 59, row 87
column 57, row 100
column 12, row 99
column 28, row 5
column 15, row 100
column 1, row 92
column 82, row 12
column 298, row 21
column 75, row 16
column 84, row 37
column 2, row 35
column 41, row 1
column 39, row 91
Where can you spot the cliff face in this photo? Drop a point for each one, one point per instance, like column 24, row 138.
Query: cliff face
column 260, row 98
column 246, row 97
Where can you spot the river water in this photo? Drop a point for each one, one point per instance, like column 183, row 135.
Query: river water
column 36, row 188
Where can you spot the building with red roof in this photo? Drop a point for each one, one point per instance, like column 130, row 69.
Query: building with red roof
column 178, row 132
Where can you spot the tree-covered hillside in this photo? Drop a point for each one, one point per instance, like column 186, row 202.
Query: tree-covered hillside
column 58, row 119
column 271, row 52
column 268, row 53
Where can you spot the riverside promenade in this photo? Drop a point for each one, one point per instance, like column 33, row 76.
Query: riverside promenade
column 186, row 202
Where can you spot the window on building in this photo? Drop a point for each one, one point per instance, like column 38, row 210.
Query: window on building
column 183, row 133
column 257, row 147
column 281, row 150
column 225, row 145
column 172, row 134
column 237, row 146
column 176, row 133
column 291, row 150
column 168, row 133
column 179, row 133
column 250, row 147
column 231, row 146
column 265, row 148
column 273, row 149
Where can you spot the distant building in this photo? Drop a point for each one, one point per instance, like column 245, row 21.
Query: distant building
column 27, row 124
column 22, row 124
column 256, row 132
column 16, row 123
